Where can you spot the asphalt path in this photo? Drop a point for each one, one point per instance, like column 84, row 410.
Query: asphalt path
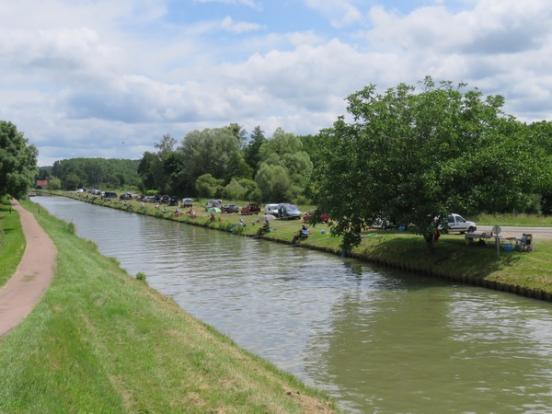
column 540, row 233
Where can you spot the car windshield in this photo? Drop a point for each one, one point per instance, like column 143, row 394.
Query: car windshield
column 460, row 219
column 292, row 208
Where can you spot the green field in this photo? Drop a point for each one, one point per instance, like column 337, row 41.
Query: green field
column 103, row 342
column 12, row 242
column 451, row 258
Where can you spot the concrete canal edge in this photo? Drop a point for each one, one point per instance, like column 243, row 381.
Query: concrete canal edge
column 538, row 294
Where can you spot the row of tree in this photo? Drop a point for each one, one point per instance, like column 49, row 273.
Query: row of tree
column 219, row 162
column 75, row 173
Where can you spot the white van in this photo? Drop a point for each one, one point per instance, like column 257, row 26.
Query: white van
column 457, row 223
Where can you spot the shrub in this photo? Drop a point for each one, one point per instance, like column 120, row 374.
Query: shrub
column 208, row 186
column 141, row 276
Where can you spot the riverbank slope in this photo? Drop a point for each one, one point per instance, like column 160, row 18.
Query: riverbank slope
column 101, row 341
column 527, row 274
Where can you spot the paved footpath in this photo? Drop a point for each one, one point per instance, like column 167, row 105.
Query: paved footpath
column 23, row 291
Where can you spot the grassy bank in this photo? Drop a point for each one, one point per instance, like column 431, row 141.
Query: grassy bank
column 529, row 274
column 12, row 242
column 100, row 341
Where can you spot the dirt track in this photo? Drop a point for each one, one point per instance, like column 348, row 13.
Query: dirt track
column 22, row 292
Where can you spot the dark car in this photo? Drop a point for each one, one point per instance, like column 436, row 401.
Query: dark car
column 125, row 196
column 288, row 212
column 251, row 208
column 109, row 194
column 173, row 201
column 230, row 208
column 165, row 199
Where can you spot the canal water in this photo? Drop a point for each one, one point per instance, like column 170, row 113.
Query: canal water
column 377, row 340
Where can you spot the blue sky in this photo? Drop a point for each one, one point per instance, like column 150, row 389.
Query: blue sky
column 109, row 78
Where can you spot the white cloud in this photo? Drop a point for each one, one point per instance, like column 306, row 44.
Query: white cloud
column 249, row 3
column 77, row 83
column 233, row 26
column 340, row 12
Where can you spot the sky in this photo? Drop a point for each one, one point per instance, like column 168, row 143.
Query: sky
column 108, row 78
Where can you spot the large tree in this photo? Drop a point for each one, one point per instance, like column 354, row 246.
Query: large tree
column 410, row 155
column 285, row 151
column 17, row 161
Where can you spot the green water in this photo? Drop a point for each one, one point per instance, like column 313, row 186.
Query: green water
column 377, row 340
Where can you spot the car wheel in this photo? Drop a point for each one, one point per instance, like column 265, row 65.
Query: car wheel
column 472, row 229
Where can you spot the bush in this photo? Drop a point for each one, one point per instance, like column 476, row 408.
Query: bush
column 208, row 186
column 234, row 191
column 141, row 276
column 54, row 184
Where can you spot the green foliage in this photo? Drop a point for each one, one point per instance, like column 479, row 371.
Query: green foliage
column 12, row 241
column 96, row 172
column 72, row 181
column 410, row 155
column 252, row 191
column 274, row 182
column 252, row 150
column 234, row 191
column 17, row 161
column 54, row 183
column 208, row 186
column 285, row 169
column 141, row 276
column 242, row 189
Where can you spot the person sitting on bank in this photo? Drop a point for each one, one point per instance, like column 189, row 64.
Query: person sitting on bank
column 301, row 235
column 264, row 229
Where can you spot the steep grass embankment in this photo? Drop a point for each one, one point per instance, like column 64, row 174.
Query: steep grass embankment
column 528, row 274
column 12, row 241
column 100, row 341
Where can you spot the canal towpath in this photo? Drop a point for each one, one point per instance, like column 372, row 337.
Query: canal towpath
column 33, row 275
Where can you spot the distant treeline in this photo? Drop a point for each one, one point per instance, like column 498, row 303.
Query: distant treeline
column 74, row 173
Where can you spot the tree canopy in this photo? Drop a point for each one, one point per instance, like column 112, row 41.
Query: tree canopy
column 410, row 155
column 17, row 161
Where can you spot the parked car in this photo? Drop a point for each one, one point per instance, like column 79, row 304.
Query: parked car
column 382, row 224
column 308, row 217
column 288, row 212
column 109, row 194
column 251, row 208
column 457, row 223
column 187, row 202
column 271, row 209
column 125, row 196
column 216, row 203
column 230, row 208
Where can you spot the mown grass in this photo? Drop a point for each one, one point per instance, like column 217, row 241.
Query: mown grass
column 103, row 342
column 529, row 220
column 12, row 241
column 451, row 258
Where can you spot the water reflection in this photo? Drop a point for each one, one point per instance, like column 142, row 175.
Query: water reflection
column 377, row 340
